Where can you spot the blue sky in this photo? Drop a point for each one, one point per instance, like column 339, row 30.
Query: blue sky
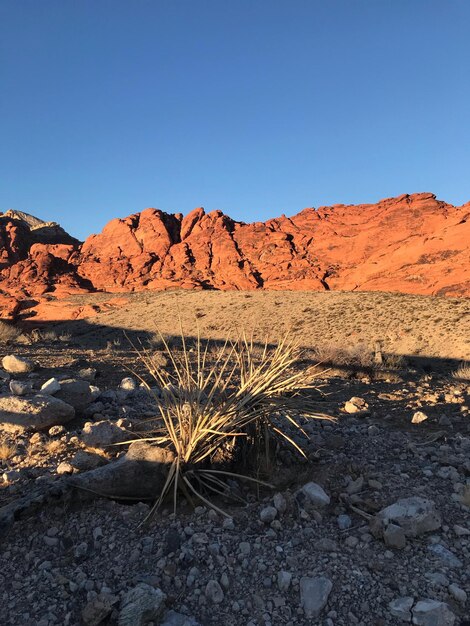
column 255, row 107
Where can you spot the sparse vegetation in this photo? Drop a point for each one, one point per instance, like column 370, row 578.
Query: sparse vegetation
column 462, row 372
column 8, row 332
column 212, row 401
column 7, row 451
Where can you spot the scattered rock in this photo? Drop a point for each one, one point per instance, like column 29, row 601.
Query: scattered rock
column 457, row 593
column 356, row 406
column 214, row 592
column 268, row 514
column 76, row 393
column 98, row 609
column 17, row 364
column 20, row 388
column 418, row 417
column 432, row 613
column 102, row 434
column 39, row 412
column 415, row 515
column 401, row 608
column 445, row 555
column 141, row 605
column 315, row 495
column 50, row 387
column 314, row 594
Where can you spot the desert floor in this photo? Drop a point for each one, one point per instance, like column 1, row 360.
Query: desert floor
column 63, row 552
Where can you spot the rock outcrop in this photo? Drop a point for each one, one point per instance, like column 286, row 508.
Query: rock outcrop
column 412, row 243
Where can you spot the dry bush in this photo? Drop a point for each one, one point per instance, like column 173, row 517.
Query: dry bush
column 214, row 399
column 8, row 333
column 54, row 446
column 331, row 354
column 462, row 372
column 7, row 451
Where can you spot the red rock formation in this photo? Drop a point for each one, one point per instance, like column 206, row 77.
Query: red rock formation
column 413, row 244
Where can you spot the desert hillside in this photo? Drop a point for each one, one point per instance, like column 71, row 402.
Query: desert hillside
column 410, row 244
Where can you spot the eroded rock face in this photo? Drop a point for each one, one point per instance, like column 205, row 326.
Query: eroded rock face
column 402, row 244
column 411, row 244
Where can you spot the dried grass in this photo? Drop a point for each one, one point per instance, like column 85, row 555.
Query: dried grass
column 8, row 333
column 7, row 451
column 462, row 372
column 214, row 399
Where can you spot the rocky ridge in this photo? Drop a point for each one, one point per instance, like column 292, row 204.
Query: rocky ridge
column 412, row 244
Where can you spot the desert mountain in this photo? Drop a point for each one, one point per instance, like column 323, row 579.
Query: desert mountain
column 412, row 244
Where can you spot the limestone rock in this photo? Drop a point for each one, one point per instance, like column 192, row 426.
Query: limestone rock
column 141, row 605
column 39, row 412
column 414, row 515
column 432, row 613
column 314, row 594
column 17, row 364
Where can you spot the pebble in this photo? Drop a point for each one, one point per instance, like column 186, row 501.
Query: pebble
column 314, row 593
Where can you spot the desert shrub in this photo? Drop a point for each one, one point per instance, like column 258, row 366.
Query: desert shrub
column 462, row 372
column 332, row 354
column 8, row 332
column 214, row 399
column 7, row 451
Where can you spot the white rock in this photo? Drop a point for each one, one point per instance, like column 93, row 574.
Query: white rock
column 280, row 502
column 401, row 608
column 415, row 515
column 314, row 594
column 39, row 412
column 17, row 364
column 432, row 613
column 315, row 495
column 102, row 434
column 419, row 417
column 51, row 386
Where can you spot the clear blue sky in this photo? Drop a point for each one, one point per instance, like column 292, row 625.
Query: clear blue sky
column 255, row 107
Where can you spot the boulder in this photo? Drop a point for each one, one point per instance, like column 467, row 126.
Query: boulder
column 75, row 392
column 39, row 412
column 415, row 515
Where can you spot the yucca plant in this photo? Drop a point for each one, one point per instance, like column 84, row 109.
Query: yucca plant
column 210, row 401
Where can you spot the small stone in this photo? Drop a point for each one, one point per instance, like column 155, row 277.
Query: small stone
column 98, row 609
column 54, row 431
column 172, row 618
column 17, row 364
column 50, row 387
column 344, row 521
column 102, row 434
column 315, row 495
column 355, row 486
column 401, row 608
column 415, row 515
column 351, row 541
column 268, row 514
column 280, row 502
column 432, row 613
column 418, row 417
column 141, row 605
column 445, row 555
column 461, row 531
column 314, row 594
column 284, row 580
column 394, row 537
column 128, row 384
column 356, row 406
column 64, row 468
column 20, row 388
column 459, row 594
column 244, row 548
column 214, row 592
column 84, row 461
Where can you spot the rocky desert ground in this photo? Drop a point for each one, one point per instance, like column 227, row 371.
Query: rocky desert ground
column 371, row 528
